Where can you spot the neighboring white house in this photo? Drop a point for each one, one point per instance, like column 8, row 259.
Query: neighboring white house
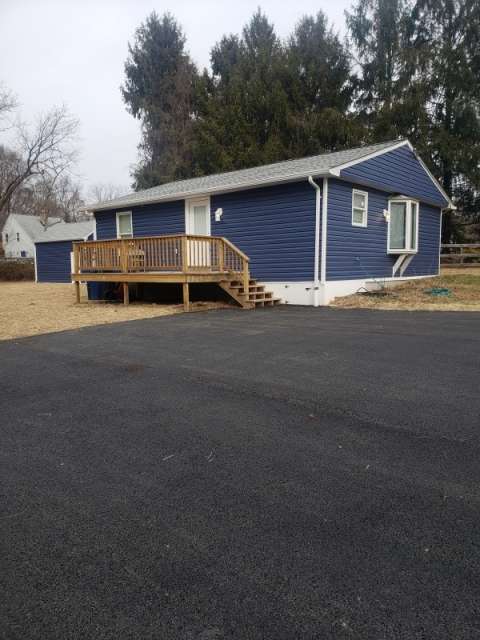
column 20, row 233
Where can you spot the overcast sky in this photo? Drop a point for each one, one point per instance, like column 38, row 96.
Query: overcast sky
column 73, row 51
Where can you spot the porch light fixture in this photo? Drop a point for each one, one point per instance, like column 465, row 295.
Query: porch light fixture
column 218, row 214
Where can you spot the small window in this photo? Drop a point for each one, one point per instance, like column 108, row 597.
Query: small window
column 359, row 208
column 18, row 237
column 6, row 237
column 124, row 225
column 402, row 226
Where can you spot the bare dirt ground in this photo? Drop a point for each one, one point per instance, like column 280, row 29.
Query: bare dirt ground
column 29, row 308
column 463, row 286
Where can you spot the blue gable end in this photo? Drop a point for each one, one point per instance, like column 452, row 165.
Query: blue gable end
column 397, row 171
column 355, row 253
column 164, row 218
column 53, row 261
column 274, row 226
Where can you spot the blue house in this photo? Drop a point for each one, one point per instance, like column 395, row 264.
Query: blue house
column 54, row 247
column 301, row 231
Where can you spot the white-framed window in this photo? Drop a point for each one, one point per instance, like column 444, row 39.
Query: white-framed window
column 403, row 225
column 359, row 208
column 18, row 237
column 124, row 224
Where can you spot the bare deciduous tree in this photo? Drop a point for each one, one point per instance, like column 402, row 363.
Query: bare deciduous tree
column 103, row 191
column 8, row 103
column 44, row 151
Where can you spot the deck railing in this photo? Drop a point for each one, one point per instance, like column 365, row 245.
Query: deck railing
column 187, row 254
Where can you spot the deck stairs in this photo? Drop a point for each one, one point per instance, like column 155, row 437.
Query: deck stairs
column 256, row 296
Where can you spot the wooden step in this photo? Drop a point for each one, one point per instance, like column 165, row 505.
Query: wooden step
column 255, row 298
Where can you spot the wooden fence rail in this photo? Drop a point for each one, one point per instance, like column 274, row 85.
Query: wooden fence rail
column 460, row 255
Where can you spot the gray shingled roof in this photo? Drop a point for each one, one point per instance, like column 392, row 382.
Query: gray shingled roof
column 32, row 225
column 266, row 174
column 66, row 231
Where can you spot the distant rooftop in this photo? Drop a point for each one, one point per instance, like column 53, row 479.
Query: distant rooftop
column 66, row 231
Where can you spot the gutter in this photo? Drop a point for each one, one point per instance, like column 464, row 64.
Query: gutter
column 318, row 199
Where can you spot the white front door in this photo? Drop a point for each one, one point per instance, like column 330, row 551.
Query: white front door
column 197, row 223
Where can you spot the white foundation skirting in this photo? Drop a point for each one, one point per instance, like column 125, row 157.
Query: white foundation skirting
column 303, row 293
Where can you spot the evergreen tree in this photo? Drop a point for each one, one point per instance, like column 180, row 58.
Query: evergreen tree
column 445, row 37
column 320, row 85
column 419, row 64
column 377, row 30
column 158, row 90
column 242, row 106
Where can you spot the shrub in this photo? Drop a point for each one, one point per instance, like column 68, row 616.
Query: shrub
column 15, row 270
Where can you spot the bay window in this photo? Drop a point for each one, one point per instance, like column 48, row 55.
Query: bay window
column 402, row 226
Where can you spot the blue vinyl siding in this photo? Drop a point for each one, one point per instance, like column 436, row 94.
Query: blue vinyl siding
column 274, row 226
column 53, row 261
column 106, row 225
column 399, row 172
column 150, row 220
column 426, row 261
column 360, row 253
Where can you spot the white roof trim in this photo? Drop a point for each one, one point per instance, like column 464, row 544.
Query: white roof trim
column 336, row 171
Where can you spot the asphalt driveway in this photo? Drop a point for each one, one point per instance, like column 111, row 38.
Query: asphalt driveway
column 279, row 474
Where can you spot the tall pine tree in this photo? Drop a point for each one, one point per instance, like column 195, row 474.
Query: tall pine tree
column 444, row 36
column 419, row 62
column 242, row 105
column 320, row 85
column 158, row 90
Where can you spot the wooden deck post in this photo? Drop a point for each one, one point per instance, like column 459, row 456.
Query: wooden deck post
column 184, row 250
column 77, row 291
column 186, row 296
column 221, row 262
column 246, row 278
column 126, row 298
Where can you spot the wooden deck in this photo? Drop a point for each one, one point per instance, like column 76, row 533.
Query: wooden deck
column 183, row 259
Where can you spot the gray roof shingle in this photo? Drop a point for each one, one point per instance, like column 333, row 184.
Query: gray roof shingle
column 32, row 225
column 66, row 231
column 266, row 174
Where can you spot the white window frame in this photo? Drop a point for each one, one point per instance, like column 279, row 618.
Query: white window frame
column 408, row 224
column 189, row 204
column 364, row 222
column 118, row 215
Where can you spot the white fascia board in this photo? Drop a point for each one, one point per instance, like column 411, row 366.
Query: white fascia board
column 335, row 172
column 340, row 167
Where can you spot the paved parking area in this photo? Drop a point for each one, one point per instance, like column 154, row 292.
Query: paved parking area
column 277, row 474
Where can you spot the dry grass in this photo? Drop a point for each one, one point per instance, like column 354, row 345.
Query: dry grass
column 28, row 309
column 464, row 285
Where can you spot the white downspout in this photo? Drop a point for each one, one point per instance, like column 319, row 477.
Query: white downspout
column 316, row 283
column 323, row 265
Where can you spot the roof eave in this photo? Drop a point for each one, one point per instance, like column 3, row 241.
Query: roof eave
column 199, row 193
